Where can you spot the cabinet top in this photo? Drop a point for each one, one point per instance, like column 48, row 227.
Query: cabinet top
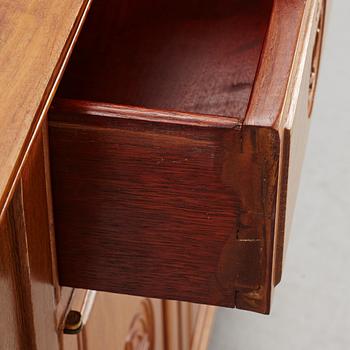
column 36, row 37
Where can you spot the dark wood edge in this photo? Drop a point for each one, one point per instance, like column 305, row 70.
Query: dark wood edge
column 144, row 114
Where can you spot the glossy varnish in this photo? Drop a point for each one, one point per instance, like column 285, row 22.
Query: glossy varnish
column 160, row 203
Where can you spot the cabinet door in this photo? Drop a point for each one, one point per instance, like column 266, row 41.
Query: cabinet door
column 119, row 322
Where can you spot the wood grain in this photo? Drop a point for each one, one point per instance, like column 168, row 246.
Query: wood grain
column 38, row 247
column 296, row 114
column 13, row 336
column 172, row 325
column 28, row 313
column 118, row 322
column 187, row 326
column 182, row 204
column 36, row 38
column 177, row 204
column 20, row 276
column 203, row 329
column 276, row 62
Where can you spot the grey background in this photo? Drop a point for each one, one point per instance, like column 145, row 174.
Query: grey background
column 311, row 308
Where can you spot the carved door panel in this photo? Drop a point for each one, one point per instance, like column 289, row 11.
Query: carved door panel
column 119, row 322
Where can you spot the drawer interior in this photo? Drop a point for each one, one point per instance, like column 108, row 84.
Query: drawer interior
column 189, row 56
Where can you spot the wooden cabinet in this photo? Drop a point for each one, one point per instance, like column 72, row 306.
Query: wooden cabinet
column 176, row 143
column 175, row 140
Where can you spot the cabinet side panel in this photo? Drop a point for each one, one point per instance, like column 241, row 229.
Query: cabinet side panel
column 27, row 294
column 19, row 271
column 10, row 328
column 39, row 247
column 297, row 112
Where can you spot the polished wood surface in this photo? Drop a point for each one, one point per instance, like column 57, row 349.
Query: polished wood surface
column 26, row 273
column 187, row 326
column 111, row 321
column 176, row 146
column 296, row 114
column 39, row 246
column 276, row 63
column 132, row 172
column 12, row 302
column 36, row 39
column 149, row 217
column 117, row 322
column 202, row 332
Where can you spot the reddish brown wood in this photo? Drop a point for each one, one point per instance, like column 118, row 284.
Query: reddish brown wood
column 277, row 56
column 182, row 204
column 38, row 246
column 36, row 65
column 27, row 293
column 164, row 210
column 295, row 123
column 191, row 56
column 16, row 321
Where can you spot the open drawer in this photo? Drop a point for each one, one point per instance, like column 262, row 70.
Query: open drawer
column 176, row 140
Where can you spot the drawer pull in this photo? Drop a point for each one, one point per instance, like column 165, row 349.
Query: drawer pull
column 73, row 323
column 76, row 320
